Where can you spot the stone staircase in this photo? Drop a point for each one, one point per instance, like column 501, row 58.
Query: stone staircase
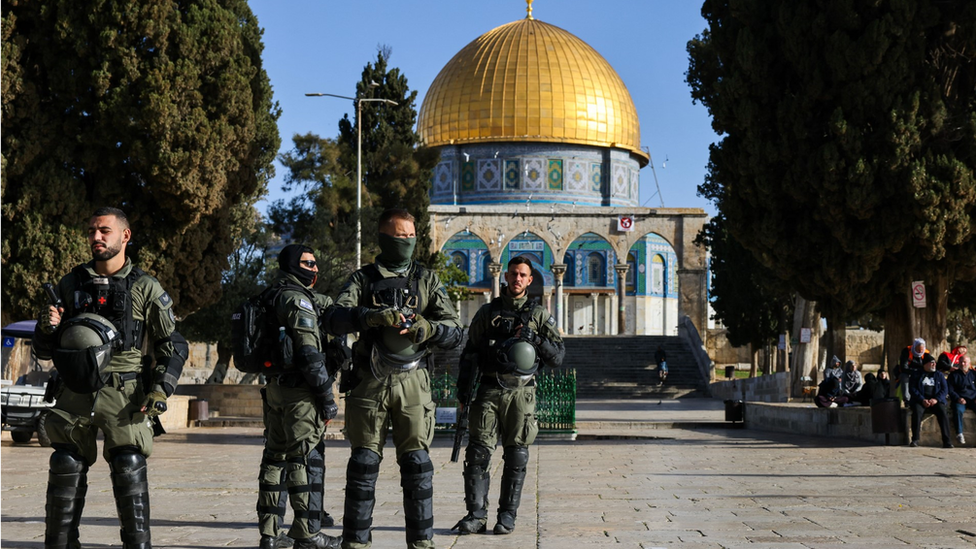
column 623, row 367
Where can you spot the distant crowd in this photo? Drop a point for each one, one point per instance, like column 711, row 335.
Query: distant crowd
column 927, row 385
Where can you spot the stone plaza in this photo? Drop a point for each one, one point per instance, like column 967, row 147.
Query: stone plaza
column 640, row 474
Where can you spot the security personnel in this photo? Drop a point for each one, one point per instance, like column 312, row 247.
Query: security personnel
column 108, row 388
column 391, row 384
column 508, row 339
column 299, row 401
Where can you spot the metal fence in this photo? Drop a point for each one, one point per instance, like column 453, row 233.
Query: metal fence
column 555, row 399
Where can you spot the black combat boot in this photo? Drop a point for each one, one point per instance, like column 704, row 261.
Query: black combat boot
column 513, row 477
column 66, row 488
column 319, row 541
column 281, row 541
column 477, row 478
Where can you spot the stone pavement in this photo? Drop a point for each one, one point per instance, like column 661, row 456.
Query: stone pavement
column 631, row 479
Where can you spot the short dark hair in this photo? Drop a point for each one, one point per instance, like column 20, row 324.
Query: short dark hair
column 117, row 213
column 392, row 214
column 520, row 260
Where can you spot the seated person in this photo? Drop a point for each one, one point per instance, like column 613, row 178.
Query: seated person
column 834, row 369
column 910, row 361
column 929, row 392
column 949, row 361
column 828, row 395
column 962, row 393
column 850, row 380
column 876, row 387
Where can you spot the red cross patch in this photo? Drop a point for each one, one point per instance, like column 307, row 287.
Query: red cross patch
column 102, row 300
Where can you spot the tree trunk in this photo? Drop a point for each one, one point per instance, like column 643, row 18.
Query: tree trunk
column 904, row 322
column 753, row 360
column 805, row 355
column 782, row 355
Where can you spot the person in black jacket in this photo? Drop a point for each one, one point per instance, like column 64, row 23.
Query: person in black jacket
column 929, row 392
column 962, row 393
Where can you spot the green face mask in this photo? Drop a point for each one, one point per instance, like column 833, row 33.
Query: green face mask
column 395, row 253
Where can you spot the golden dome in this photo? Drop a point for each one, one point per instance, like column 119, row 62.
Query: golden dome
column 529, row 81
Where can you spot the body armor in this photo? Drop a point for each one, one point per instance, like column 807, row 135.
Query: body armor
column 108, row 297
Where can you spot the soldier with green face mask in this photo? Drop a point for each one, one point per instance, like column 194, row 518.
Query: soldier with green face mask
column 509, row 338
column 389, row 384
column 107, row 310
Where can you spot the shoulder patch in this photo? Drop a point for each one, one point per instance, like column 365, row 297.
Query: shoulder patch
column 551, row 321
column 306, row 322
column 164, row 300
column 304, row 304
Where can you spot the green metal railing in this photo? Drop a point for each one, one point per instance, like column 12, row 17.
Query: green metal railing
column 555, row 398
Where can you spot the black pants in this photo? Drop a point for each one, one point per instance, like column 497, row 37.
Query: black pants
column 918, row 413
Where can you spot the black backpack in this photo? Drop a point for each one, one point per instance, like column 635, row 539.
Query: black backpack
column 259, row 343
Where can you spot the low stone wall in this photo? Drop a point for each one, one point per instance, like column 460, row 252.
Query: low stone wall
column 850, row 422
column 227, row 399
column 177, row 413
column 771, row 388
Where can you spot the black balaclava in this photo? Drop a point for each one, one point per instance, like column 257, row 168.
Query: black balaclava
column 288, row 262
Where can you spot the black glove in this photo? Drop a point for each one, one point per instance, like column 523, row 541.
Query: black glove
column 327, row 407
column 505, row 365
column 530, row 335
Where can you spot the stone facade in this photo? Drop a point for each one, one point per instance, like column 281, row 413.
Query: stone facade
column 557, row 228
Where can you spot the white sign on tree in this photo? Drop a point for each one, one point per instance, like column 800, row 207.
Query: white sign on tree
column 918, row 294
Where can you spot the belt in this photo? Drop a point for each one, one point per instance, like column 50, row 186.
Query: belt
column 122, row 378
column 490, row 379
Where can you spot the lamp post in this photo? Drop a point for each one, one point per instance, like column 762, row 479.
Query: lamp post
column 359, row 162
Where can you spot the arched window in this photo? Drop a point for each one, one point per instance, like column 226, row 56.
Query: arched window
column 460, row 260
column 569, row 279
column 485, row 271
column 657, row 275
column 596, row 272
column 631, row 274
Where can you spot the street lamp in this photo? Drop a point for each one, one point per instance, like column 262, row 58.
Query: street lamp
column 359, row 162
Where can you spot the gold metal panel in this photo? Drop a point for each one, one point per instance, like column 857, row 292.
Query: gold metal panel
column 529, row 81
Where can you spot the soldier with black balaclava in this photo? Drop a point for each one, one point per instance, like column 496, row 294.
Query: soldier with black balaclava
column 107, row 310
column 299, row 400
column 509, row 339
column 389, row 384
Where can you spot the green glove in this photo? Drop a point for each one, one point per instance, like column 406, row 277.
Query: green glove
column 381, row 318
column 421, row 330
column 155, row 402
column 45, row 323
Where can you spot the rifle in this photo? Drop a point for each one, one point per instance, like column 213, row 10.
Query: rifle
column 464, row 408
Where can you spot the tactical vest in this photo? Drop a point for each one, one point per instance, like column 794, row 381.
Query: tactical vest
column 502, row 325
column 110, row 297
column 401, row 293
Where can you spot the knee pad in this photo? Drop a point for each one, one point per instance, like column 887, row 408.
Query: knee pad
column 476, row 454
column 516, row 457
column 361, row 474
column 127, row 460
column 67, row 462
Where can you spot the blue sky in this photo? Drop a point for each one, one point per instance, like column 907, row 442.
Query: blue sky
column 323, row 45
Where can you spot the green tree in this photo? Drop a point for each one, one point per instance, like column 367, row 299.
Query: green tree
column 748, row 299
column 397, row 172
column 160, row 108
column 846, row 164
column 245, row 276
column 454, row 279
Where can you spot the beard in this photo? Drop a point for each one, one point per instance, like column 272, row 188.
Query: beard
column 107, row 252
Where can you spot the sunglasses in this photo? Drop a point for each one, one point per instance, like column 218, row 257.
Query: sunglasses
column 308, row 263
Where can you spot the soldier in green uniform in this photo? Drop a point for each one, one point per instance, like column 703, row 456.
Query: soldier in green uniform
column 508, row 339
column 108, row 387
column 299, row 401
column 389, row 384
